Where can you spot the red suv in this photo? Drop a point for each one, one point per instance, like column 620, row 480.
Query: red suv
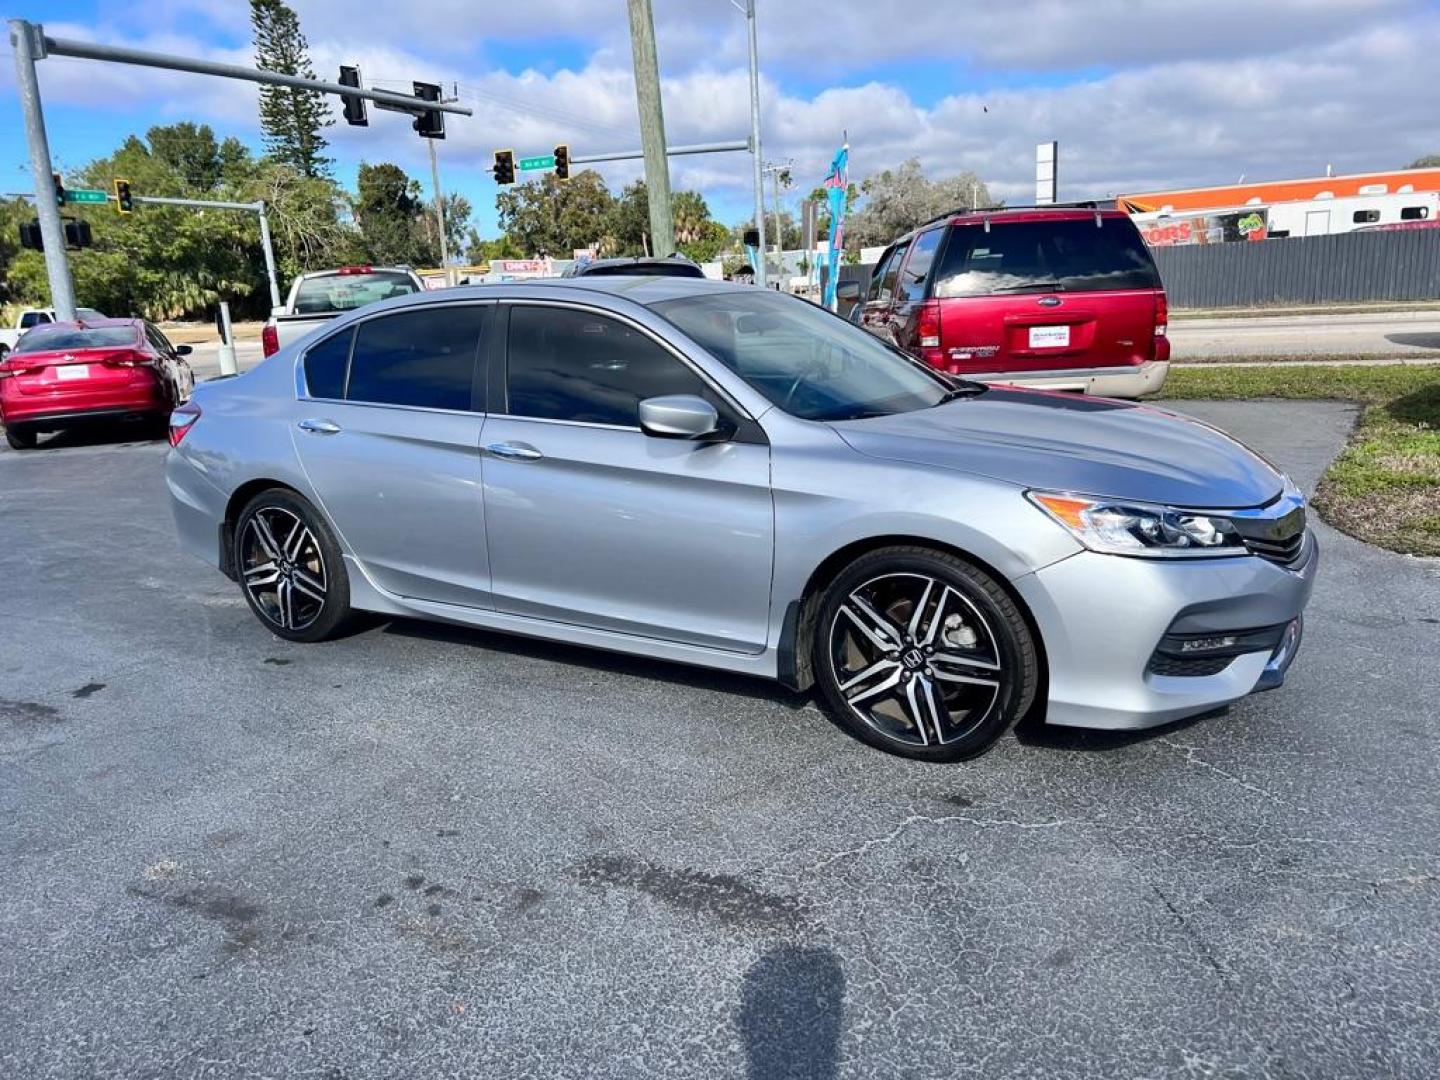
column 1064, row 297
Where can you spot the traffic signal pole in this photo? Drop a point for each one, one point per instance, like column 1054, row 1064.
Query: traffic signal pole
column 760, row 276
column 29, row 45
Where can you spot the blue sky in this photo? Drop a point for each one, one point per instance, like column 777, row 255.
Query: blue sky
column 1140, row 93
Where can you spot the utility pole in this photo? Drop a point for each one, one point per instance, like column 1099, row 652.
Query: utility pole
column 29, row 46
column 760, row 276
column 652, row 126
column 439, row 212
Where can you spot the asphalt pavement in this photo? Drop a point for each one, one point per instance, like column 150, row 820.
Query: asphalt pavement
column 1412, row 334
column 422, row 851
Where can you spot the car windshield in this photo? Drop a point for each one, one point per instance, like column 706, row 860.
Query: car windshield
column 802, row 358
column 58, row 337
column 348, row 291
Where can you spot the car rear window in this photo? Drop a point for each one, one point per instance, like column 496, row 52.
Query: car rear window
column 52, row 338
column 1041, row 256
column 648, row 269
column 346, row 292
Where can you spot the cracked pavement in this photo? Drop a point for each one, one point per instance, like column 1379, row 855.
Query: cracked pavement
column 422, row 851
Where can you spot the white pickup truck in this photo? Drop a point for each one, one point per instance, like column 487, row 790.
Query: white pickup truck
column 35, row 317
column 324, row 294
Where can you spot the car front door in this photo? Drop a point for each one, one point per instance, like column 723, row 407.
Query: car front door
column 594, row 523
column 388, row 431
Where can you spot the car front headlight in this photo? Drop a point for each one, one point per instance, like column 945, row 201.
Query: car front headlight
column 1117, row 527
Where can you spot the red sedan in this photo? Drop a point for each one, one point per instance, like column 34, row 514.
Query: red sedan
column 65, row 374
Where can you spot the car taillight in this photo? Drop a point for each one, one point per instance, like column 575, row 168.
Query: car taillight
column 270, row 339
column 345, row 271
column 128, row 360
column 1162, row 314
column 927, row 333
column 182, row 420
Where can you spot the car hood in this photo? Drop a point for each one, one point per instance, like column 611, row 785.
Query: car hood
column 1065, row 442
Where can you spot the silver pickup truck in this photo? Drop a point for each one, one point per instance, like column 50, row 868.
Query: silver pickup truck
column 318, row 297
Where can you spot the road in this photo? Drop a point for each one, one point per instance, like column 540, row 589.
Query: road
column 426, row 851
column 1391, row 333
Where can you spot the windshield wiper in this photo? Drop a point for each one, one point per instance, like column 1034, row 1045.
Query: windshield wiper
column 965, row 389
column 1043, row 286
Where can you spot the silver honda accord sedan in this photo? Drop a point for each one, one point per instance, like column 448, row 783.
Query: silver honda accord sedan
column 720, row 475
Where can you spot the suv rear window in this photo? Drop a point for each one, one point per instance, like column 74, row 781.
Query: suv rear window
column 346, row 292
column 651, row 269
column 1064, row 256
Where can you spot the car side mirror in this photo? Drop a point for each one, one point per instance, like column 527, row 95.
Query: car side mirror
column 184, row 350
column 678, row 416
column 849, row 291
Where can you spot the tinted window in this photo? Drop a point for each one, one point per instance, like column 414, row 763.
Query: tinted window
column 158, row 340
column 566, row 364
column 802, row 358
column 33, row 318
column 423, row 358
column 886, row 281
column 1070, row 256
column 878, row 274
column 911, row 283
column 346, row 292
column 1365, row 217
column 325, row 366
column 653, row 269
column 45, row 338
column 1414, row 213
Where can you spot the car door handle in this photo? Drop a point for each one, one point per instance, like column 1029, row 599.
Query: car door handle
column 513, row 451
column 319, row 427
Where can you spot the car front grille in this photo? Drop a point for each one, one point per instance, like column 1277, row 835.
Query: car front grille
column 1275, row 532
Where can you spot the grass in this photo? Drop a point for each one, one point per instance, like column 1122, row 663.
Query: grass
column 1385, row 486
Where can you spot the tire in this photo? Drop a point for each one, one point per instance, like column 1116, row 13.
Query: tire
column 20, row 438
column 941, row 683
column 294, row 581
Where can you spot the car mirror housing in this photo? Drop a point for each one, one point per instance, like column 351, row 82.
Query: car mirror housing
column 678, row 416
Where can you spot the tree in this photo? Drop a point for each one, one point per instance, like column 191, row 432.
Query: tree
column 189, row 150
column 478, row 250
column 397, row 226
column 1429, row 161
column 554, row 217
column 895, row 202
column 291, row 119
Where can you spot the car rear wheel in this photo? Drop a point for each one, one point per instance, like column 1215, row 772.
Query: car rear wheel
column 290, row 568
column 921, row 654
column 20, row 438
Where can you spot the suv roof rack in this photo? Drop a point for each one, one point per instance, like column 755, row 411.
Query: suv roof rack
column 1087, row 204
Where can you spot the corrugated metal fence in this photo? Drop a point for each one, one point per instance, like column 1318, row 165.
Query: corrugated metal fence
column 1398, row 265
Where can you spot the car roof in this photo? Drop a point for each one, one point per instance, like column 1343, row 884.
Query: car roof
column 89, row 324
column 963, row 215
column 643, row 289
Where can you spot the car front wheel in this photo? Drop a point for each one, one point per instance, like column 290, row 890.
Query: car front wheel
column 290, row 568
column 921, row 654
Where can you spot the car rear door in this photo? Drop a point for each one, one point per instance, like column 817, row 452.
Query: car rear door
column 594, row 523
column 388, row 431
column 910, row 290
column 875, row 314
column 1046, row 294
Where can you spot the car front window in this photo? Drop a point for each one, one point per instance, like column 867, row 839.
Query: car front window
column 807, row 361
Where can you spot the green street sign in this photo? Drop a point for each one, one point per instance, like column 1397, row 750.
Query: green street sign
column 547, row 161
column 86, row 195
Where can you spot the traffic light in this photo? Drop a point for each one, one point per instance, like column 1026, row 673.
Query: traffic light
column 562, row 162
column 123, row 203
column 354, row 106
column 59, row 189
column 77, row 233
column 430, row 124
column 30, row 236
column 504, row 168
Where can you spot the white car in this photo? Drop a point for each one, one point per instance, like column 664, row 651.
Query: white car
column 318, row 297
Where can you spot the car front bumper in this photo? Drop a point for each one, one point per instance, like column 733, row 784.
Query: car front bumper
column 1101, row 618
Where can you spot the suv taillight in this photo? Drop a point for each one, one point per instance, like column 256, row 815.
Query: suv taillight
column 270, row 340
column 182, row 420
column 1162, row 314
column 927, row 334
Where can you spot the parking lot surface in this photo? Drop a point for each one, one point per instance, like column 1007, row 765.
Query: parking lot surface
column 424, row 851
